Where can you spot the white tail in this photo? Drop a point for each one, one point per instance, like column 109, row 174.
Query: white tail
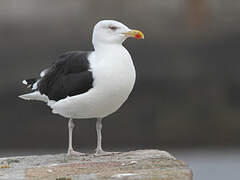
column 37, row 96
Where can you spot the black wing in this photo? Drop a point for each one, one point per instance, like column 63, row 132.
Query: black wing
column 68, row 76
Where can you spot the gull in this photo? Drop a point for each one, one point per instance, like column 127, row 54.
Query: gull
column 92, row 84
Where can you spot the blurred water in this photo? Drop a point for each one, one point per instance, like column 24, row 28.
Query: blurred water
column 214, row 164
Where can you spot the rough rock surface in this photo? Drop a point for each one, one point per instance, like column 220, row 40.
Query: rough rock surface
column 140, row 164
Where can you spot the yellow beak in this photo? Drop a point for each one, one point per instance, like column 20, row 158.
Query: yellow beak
column 135, row 33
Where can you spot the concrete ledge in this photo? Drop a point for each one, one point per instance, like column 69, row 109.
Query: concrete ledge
column 140, row 164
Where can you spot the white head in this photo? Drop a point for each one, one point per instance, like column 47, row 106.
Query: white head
column 113, row 32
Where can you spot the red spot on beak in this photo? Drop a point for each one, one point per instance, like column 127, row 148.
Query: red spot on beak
column 138, row 36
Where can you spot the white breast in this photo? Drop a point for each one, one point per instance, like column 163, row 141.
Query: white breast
column 114, row 77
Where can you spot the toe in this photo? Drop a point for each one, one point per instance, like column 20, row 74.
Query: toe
column 75, row 153
column 105, row 153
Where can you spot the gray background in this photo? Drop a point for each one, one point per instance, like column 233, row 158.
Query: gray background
column 188, row 80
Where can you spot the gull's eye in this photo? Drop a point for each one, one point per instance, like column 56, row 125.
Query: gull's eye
column 112, row 28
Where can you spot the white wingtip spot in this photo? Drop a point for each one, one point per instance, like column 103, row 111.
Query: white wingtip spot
column 24, row 82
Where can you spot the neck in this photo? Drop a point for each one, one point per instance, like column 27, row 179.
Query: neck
column 106, row 46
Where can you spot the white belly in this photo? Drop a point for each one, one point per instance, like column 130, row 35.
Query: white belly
column 114, row 78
